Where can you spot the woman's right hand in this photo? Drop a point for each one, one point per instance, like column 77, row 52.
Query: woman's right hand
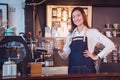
column 62, row 54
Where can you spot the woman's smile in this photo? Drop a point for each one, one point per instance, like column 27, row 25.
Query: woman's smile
column 77, row 18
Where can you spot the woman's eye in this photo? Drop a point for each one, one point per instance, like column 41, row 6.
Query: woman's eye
column 78, row 15
column 73, row 16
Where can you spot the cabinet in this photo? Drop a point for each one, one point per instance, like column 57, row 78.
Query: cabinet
column 102, row 17
column 114, row 35
column 111, row 63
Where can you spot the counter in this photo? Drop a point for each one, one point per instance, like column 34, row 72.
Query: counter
column 60, row 73
column 101, row 76
column 55, row 70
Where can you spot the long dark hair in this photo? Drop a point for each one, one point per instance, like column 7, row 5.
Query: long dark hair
column 73, row 26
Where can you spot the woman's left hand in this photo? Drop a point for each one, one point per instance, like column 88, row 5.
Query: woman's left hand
column 91, row 55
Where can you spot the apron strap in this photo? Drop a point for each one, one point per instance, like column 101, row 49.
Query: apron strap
column 85, row 33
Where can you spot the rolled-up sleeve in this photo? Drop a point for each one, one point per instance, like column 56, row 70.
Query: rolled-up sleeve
column 108, row 44
column 66, row 47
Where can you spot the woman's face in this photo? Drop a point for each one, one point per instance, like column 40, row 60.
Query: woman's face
column 77, row 18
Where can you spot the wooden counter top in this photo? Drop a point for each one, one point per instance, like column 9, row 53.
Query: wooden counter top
column 100, row 76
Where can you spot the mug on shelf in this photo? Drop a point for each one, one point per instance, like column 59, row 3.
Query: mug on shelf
column 116, row 26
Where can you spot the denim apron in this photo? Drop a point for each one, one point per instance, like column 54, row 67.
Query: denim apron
column 79, row 64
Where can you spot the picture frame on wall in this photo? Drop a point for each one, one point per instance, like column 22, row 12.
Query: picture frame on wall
column 54, row 12
column 3, row 14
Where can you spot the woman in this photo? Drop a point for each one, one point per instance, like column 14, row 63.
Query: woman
column 80, row 44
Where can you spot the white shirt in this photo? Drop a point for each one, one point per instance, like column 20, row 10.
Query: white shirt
column 94, row 37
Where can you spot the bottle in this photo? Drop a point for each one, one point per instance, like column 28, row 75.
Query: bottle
column 9, row 68
column 115, row 56
column 119, row 53
column 105, row 60
column 108, row 30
